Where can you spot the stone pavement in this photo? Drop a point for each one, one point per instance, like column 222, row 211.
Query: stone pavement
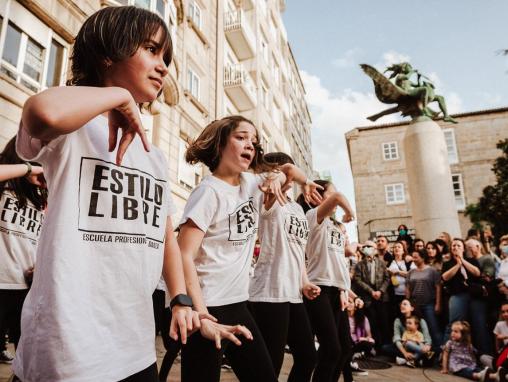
column 395, row 373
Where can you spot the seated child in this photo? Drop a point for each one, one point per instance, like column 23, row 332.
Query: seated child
column 458, row 354
column 413, row 340
column 363, row 343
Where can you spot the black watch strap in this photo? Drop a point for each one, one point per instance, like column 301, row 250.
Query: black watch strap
column 182, row 300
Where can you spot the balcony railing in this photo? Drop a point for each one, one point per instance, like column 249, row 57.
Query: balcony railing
column 239, row 87
column 239, row 34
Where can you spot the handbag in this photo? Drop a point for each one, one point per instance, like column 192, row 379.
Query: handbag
column 394, row 280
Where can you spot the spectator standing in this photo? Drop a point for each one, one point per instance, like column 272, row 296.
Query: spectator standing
column 382, row 249
column 424, row 288
column 372, row 280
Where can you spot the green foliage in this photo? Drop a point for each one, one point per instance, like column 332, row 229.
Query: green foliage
column 493, row 205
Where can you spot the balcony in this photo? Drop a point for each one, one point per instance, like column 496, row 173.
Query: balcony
column 239, row 34
column 239, row 87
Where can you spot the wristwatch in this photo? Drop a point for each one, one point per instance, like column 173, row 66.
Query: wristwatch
column 182, row 300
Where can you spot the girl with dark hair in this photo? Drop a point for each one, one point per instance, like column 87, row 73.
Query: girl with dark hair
column 89, row 314
column 361, row 335
column 22, row 201
column 434, row 255
column 327, row 268
column 280, row 279
column 424, row 288
column 217, row 237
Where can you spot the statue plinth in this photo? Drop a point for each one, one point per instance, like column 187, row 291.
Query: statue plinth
column 430, row 180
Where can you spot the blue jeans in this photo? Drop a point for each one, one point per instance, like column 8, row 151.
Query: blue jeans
column 414, row 348
column 458, row 308
column 430, row 317
column 467, row 372
column 482, row 341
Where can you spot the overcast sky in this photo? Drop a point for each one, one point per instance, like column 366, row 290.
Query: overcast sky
column 454, row 42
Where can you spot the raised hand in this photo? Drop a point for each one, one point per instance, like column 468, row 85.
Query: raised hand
column 126, row 118
column 348, row 217
column 271, row 186
column 183, row 322
column 311, row 194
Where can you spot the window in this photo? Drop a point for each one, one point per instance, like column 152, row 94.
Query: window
column 55, row 64
column 193, row 83
column 188, row 175
column 142, row 3
column 451, row 146
column 458, row 191
column 394, row 193
column 195, row 14
column 390, row 151
column 35, row 62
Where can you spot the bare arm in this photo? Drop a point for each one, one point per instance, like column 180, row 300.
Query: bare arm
column 471, row 268
column 444, row 367
column 438, row 298
column 189, row 240
column 329, row 204
column 451, row 272
column 62, row 110
column 12, row 171
column 172, row 271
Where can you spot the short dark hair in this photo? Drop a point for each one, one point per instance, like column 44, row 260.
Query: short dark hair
column 113, row 34
column 423, row 254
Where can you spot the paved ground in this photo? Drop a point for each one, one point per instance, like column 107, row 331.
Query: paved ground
column 395, row 373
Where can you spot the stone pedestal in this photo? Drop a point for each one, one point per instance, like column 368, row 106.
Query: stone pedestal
column 430, row 180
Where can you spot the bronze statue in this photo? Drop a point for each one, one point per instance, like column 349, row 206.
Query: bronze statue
column 412, row 98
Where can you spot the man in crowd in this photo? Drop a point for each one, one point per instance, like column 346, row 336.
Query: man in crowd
column 382, row 249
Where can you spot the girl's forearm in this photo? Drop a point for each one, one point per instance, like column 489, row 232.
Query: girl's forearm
column 343, row 203
column 172, row 270
column 11, row 171
column 293, row 172
column 192, row 284
column 62, row 110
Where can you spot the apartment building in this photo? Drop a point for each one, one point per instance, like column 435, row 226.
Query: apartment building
column 230, row 57
column 378, row 165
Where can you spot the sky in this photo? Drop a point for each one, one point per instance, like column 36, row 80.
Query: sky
column 456, row 43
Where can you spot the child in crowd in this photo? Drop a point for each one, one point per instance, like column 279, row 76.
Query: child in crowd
column 363, row 343
column 413, row 340
column 459, row 356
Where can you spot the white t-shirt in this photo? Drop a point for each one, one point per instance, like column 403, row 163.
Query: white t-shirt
column 327, row 264
column 400, row 290
column 89, row 315
column 228, row 215
column 283, row 233
column 19, row 232
column 501, row 328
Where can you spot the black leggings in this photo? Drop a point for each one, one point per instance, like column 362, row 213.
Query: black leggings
column 250, row 361
column 147, row 375
column 331, row 327
column 282, row 323
column 11, row 303
column 162, row 322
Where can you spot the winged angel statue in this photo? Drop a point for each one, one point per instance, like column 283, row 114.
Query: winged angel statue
column 412, row 98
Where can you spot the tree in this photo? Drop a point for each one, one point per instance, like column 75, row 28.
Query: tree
column 493, row 204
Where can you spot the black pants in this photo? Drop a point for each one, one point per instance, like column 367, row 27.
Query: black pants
column 11, row 304
column 331, row 326
column 250, row 361
column 378, row 314
column 147, row 375
column 163, row 317
column 285, row 323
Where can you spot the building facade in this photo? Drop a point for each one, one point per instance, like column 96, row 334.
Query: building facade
column 378, row 165
column 230, row 57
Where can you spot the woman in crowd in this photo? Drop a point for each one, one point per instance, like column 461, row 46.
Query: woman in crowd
column 396, row 348
column 424, row 288
column 458, row 274
column 434, row 255
column 399, row 270
column 327, row 249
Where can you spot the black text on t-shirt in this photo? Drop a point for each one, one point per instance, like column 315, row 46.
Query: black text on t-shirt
column 297, row 229
column 243, row 222
column 28, row 220
column 116, row 196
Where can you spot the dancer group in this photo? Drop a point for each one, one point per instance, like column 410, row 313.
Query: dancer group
column 107, row 234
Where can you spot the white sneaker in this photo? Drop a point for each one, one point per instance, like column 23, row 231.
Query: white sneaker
column 400, row 361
